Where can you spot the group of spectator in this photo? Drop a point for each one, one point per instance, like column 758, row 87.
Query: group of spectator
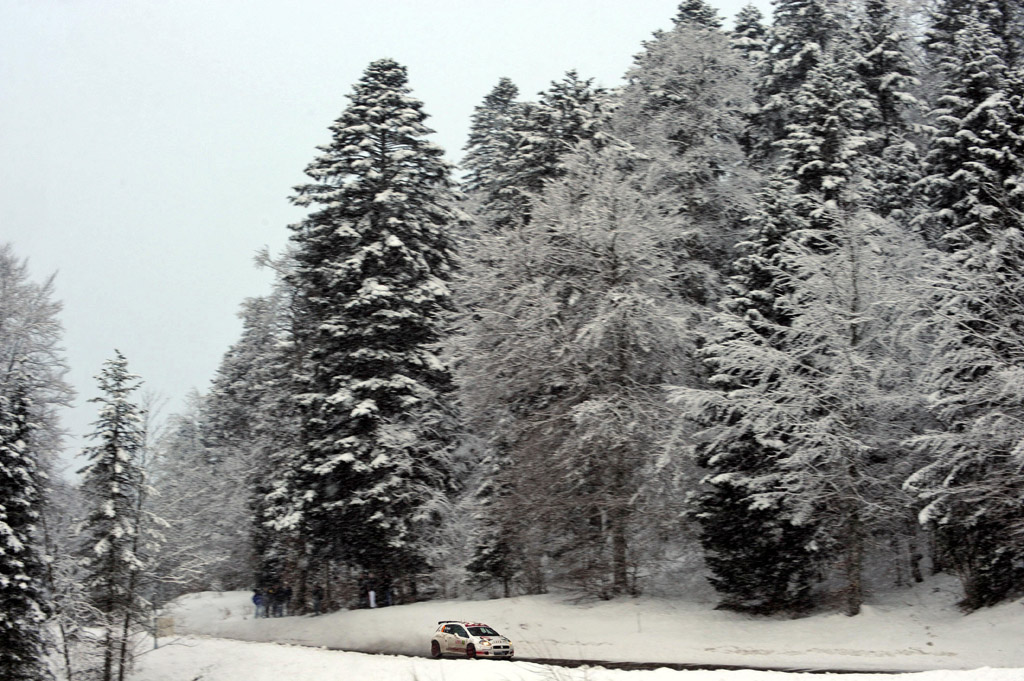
column 272, row 601
column 275, row 601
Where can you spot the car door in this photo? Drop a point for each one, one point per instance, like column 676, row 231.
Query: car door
column 446, row 639
column 459, row 640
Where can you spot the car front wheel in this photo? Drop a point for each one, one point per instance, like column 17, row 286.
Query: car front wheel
column 471, row 652
column 435, row 649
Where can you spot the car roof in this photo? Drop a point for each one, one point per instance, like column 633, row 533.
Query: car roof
column 463, row 623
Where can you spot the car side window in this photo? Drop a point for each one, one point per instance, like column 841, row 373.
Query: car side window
column 459, row 631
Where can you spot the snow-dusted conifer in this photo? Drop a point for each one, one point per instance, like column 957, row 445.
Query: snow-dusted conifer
column 251, row 421
column 975, row 203
column 570, row 111
column 114, row 487
column 231, row 411
column 821, row 160
column 889, row 78
column 498, row 555
column 372, row 262
column 573, row 329
column 697, row 13
column 492, row 141
column 972, row 484
column 971, row 166
column 247, row 420
column 749, row 35
column 827, row 392
column 802, row 31
column 24, row 602
column 684, row 110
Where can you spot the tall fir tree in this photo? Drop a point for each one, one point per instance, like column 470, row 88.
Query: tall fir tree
column 532, row 145
column 248, row 419
column 800, row 34
column 749, row 35
column 684, row 109
column 114, row 487
column 570, row 111
column 576, row 327
column 372, row 263
column 971, row 156
column 975, row 206
column 24, row 601
column 825, row 394
column 885, row 65
column 697, row 13
column 819, row 174
column 492, row 141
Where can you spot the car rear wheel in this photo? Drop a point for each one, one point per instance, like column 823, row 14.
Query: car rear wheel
column 471, row 652
column 435, row 649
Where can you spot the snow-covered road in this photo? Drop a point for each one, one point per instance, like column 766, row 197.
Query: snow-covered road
column 913, row 631
column 207, row 659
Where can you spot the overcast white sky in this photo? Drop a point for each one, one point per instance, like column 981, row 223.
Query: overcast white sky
column 148, row 147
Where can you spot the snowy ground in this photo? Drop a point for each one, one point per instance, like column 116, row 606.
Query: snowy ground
column 917, row 631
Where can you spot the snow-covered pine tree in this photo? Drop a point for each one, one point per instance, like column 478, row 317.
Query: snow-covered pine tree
column 826, row 394
column 948, row 18
column 570, row 111
column 498, row 554
column 24, row 601
column 971, row 153
column 974, row 188
column 492, row 141
column 749, row 35
column 973, row 484
column 821, row 157
column 246, row 421
column 30, row 347
column 573, row 329
column 251, row 415
column 684, row 110
column 532, row 144
column 229, row 418
column 113, row 483
column 884, row 64
column 800, row 34
column 698, row 13
column 372, row 263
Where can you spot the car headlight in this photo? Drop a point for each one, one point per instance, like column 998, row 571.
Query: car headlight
column 485, row 644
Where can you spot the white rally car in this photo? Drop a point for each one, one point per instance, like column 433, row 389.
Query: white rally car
column 469, row 639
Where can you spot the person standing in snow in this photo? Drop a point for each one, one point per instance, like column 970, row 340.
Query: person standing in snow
column 318, row 597
column 272, row 600
column 286, row 599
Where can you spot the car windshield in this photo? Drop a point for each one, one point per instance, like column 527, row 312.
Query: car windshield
column 482, row 631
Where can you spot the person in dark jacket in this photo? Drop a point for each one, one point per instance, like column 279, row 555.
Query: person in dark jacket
column 272, row 599
column 286, row 599
column 318, row 599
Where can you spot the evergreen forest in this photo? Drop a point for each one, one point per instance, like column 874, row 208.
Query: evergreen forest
column 753, row 318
